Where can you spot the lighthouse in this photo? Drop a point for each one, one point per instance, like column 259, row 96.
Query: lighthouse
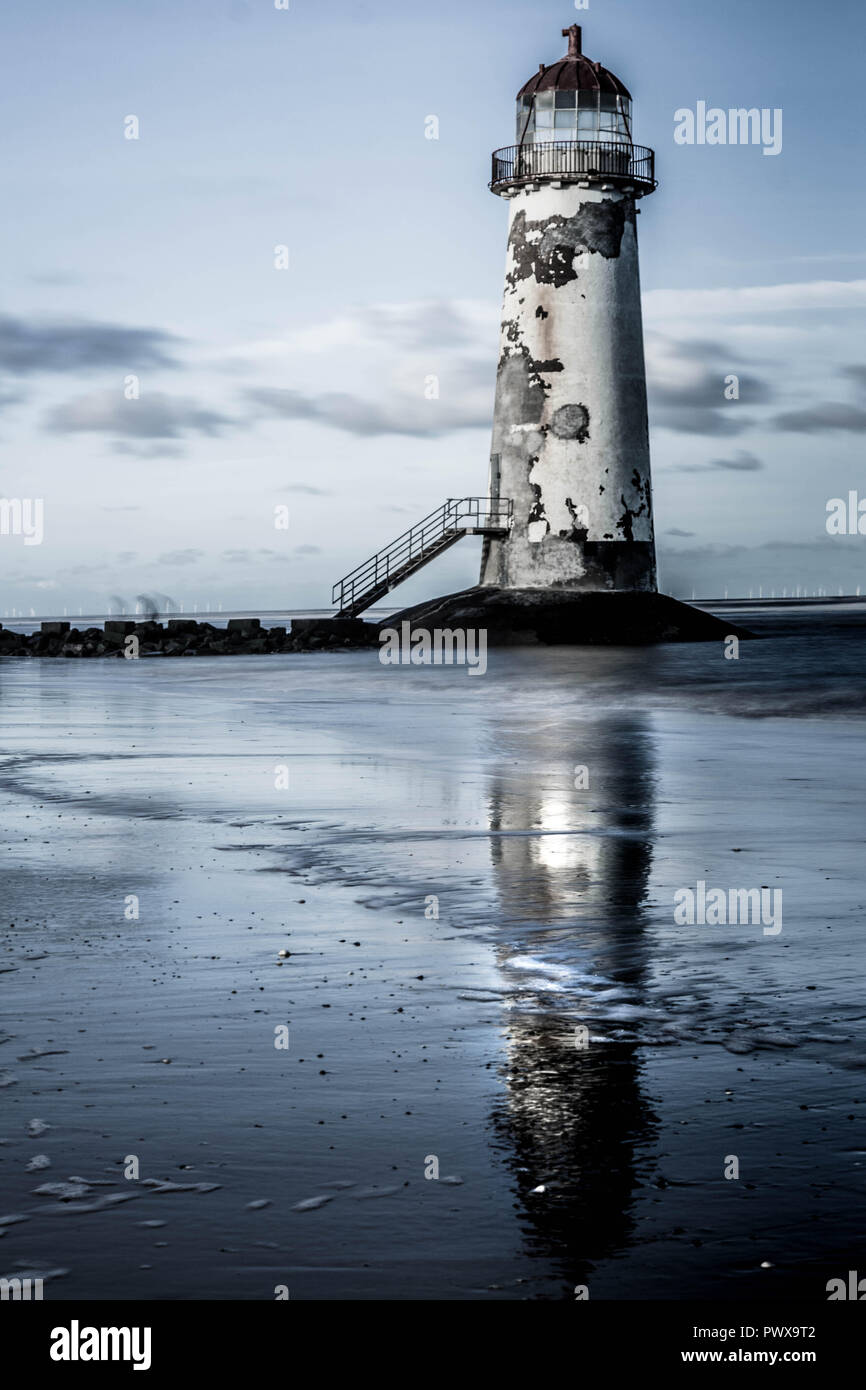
column 568, row 548
column 570, row 442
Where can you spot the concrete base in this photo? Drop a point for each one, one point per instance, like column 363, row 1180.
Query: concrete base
column 525, row 617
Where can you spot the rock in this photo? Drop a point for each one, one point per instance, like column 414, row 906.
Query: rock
column 568, row 617
column 189, row 637
column 318, row 631
column 65, row 1191
column 158, row 1185
column 73, row 1208
column 31, row 1274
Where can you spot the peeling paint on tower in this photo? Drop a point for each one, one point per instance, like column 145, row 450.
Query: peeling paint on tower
column 546, row 250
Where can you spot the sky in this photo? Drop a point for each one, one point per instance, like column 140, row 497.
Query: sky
column 167, row 382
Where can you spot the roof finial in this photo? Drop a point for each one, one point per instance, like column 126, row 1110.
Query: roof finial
column 573, row 34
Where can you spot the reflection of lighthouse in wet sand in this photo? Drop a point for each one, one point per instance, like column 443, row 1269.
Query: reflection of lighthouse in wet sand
column 571, row 870
column 570, row 435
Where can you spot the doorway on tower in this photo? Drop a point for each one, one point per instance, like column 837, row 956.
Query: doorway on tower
column 495, row 494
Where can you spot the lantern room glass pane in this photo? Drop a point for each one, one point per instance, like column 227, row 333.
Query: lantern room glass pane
column 525, row 120
column 564, row 99
column 566, row 120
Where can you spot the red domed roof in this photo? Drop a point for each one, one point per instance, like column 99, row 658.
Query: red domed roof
column 574, row 73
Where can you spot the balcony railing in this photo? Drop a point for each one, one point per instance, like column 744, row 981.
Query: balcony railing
column 574, row 160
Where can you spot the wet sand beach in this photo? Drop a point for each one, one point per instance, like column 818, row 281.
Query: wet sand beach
column 454, row 905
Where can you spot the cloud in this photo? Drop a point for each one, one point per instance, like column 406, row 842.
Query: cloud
column 56, row 278
column 404, row 413
column 857, row 372
column 422, row 369
column 826, row 415
column 422, row 325
column 180, row 557
column 148, row 451
column 302, row 488
column 58, row 346
column 742, row 462
column 756, row 299
column 155, row 415
column 10, row 397
column 241, row 556
column 414, row 326
column 308, row 550
column 829, row 562
column 686, row 382
column 675, row 531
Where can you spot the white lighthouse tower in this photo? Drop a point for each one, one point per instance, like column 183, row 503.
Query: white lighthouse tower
column 570, row 441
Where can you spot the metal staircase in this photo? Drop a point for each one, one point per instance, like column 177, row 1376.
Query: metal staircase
column 459, row 516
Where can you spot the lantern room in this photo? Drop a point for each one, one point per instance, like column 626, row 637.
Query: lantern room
column 574, row 99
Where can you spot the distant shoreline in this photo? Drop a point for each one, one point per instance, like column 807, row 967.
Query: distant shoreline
column 274, row 616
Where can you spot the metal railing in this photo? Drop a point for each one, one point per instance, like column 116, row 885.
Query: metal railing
column 395, row 561
column 574, row 159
